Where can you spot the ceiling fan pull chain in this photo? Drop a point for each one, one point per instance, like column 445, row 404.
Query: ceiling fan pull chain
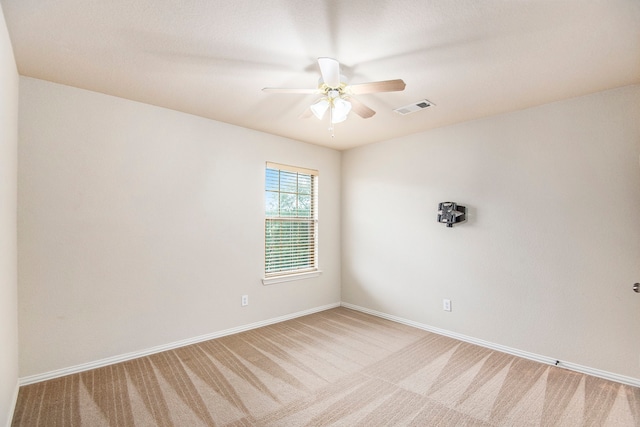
column 331, row 117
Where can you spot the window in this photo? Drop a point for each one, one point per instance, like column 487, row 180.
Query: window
column 291, row 223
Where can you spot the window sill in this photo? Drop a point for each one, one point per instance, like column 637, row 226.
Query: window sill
column 290, row 277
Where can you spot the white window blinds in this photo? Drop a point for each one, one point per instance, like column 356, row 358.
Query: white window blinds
column 291, row 224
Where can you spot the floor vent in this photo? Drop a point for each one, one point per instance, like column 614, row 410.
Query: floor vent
column 412, row 108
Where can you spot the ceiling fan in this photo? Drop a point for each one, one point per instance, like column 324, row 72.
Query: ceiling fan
column 338, row 96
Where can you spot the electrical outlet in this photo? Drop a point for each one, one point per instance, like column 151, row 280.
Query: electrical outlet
column 245, row 300
column 446, row 304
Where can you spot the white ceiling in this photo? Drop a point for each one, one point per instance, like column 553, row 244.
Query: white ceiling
column 472, row 58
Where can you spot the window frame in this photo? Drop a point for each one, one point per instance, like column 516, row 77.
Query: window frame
column 300, row 273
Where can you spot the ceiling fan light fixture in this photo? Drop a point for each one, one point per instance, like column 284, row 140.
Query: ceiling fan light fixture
column 320, row 108
column 340, row 110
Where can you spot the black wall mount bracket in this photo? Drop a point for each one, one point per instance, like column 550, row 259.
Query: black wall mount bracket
column 451, row 213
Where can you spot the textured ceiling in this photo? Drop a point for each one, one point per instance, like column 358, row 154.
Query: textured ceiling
column 472, row 58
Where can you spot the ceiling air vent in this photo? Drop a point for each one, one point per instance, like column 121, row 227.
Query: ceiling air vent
column 412, row 108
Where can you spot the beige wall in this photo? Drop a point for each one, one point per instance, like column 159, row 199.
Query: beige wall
column 8, row 201
column 547, row 259
column 140, row 226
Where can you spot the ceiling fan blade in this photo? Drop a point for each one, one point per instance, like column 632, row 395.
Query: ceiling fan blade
column 288, row 90
column 330, row 70
column 306, row 113
column 360, row 109
column 373, row 87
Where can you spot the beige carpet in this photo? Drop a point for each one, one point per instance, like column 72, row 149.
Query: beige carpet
column 337, row 367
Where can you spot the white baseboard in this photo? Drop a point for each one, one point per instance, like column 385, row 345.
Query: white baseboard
column 12, row 407
column 635, row 382
column 134, row 355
